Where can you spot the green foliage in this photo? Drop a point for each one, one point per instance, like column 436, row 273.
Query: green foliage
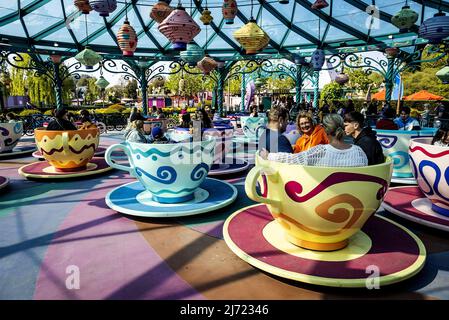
column 276, row 83
column 332, row 91
column 424, row 80
column 193, row 83
column 360, row 81
column 28, row 112
column 427, row 55
column 130, row 89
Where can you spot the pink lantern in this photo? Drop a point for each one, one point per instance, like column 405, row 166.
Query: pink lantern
column 207, row 64
column 127, row 39
column 229, row 10
column 320, row 4
column 179, row 28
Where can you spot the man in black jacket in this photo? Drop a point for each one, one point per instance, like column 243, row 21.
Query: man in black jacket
column 364, row 137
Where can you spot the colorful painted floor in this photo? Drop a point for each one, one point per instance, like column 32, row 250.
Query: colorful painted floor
column 47, row 228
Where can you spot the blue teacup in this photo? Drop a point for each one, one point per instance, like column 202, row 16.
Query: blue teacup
column 170, row 172
column 10, row 134
column 253, row 127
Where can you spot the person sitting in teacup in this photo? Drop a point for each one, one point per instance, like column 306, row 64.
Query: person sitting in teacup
column 185, row 120
column 157, row 136
column 86, row 121
column 272, row 138
column 405, row 122
column 335, row 154
column 312, row 135
column 11, row 117
column 136, row 133
column 61, row 121
column 364, row 137
column 441, row 137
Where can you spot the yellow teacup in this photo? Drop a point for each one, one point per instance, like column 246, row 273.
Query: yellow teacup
column 319, row 208
column 69, row 150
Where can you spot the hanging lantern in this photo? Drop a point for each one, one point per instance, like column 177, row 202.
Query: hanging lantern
column 88, row 58
column 342, row 78
column 207, row 64
column 299, row 60
column 102, row 83
column 179, row 28
column 193, row 54
column 229, row 10
column 104, row 7
column 206, row 17
column 127, row 39
column 317, row 61
column 83, row 6
column 320, row 4
column 392, row 52
column 404, row 19
column 435, row 29
column 443, row 75
column 160, row 11
column 252, row 37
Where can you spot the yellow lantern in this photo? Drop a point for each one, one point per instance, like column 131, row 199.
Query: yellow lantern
column 252, row 37
column 206, row 18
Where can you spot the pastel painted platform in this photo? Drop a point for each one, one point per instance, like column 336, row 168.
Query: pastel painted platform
column 19, row 151
column 43, row 170
column 99, row 152
column 411, row 204
column 253, row 235
column 3, row 182
column 409, row 181
column 228, row 168
column 133, row 199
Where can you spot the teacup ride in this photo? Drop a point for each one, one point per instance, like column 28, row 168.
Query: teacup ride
column 68, row 154
column 10, row 134
column 172, row 180
column 252, row 128
column 317, row 225
column 150, row 123
column 4, row 181
column 428, row 202
column 223, row 163
column 99, row 152
column 395, row 144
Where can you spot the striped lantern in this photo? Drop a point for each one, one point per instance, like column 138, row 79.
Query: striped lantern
column 229, row 10
column 404, row 19
column 342, row 78
column 435, row 29
column 318, row 58
column 207, row 64
column 192, row 54
column 320, row 4
column 127, row 39
column 160, row 11
column 252, row 37
column 83, row 6
column 206, row 17
column 443, row 75
column 88, row 58
column 103, row 7
column 102, row 83
column 179, row 28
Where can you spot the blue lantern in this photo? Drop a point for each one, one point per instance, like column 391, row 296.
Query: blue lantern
column 435, row 29
column 104, row 7
column 192, row 54
column 317, row 61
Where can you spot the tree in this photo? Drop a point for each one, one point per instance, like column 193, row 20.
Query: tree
column 332, row 91
column 130, row 89
column 192, row 83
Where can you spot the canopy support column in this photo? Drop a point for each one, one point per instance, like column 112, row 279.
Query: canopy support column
column 316, row 89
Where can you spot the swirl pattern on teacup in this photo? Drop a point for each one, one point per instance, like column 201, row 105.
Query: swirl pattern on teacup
column 400, row 159
column 387, row 141
column 164, row 174
column 199, row 172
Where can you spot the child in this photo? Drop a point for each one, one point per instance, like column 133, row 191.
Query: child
column 441, row 138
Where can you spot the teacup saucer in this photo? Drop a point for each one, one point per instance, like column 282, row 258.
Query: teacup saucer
column 133, row 199
column 398, row 254
column 410, row 181
column 411, row 204
column 99, row 152
column 43, row 170
column 18, row 151
column 229, row 168
column 3, row 182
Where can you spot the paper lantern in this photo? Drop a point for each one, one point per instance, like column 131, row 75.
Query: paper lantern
column 102, row 83
column 342, row 78
column 207, row 64
column 320, row 4
column 443, row 75
column 160, row 11
column 206, row 17
column 404, row 19
column 252, row 37
column 435, row 29
column 127, row 39
column 83, row 6
column 88, row 58
column 392, row 52
column 317, row 61
column 103, row 7
column 229, row 10
column 193, row 54
column 179, row 28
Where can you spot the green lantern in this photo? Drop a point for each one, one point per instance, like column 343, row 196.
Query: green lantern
column 102, row 83
column 192, row 54
column 443, row 75
column 404, row 19
column 88, row 58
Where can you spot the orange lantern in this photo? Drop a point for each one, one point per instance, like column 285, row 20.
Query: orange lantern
column 83, row 6
column 207, row 64
column 320, row 4
column 229, row 10
column 160, row 11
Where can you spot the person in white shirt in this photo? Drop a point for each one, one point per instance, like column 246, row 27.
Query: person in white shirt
column 335, row 154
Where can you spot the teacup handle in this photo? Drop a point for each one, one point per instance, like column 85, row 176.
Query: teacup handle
column 114, row 165
column 250, row 187
column 65, row 143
